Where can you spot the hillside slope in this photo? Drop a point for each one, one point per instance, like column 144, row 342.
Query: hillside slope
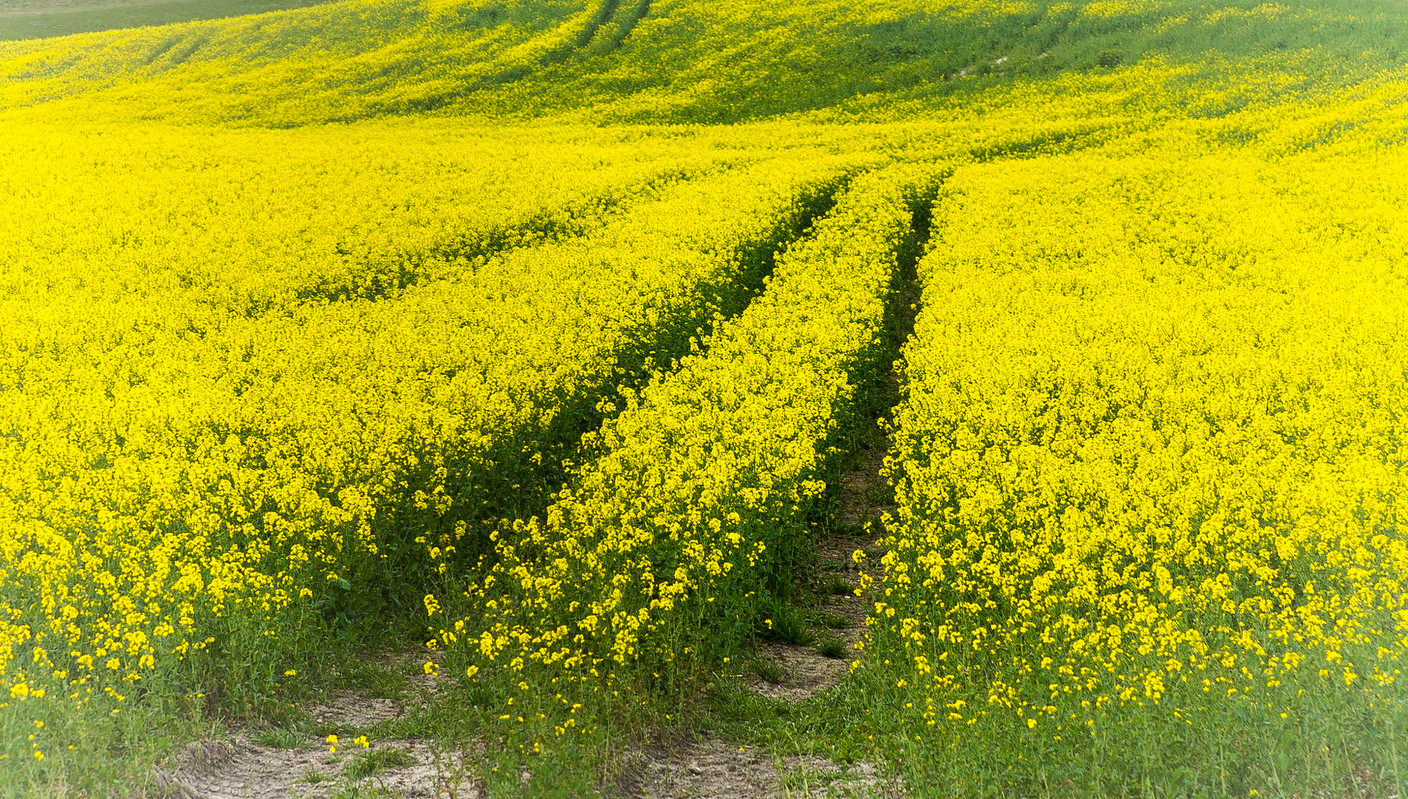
column 692, row 61
column 559, row 336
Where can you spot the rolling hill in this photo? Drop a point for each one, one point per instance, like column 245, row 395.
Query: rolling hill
column 985, row 398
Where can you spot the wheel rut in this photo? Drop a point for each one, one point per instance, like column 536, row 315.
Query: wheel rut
column 300, row 760
column 846, row 540
column 346, row 745
column 794, row 673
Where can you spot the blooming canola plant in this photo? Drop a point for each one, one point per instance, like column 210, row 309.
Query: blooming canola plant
column 551, row 325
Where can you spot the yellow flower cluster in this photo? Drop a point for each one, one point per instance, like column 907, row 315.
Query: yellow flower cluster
column 164, row 227
column 1150, row 450
column 181, row 470
column 653, row 561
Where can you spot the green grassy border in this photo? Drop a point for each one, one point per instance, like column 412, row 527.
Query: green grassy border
column 31, row 19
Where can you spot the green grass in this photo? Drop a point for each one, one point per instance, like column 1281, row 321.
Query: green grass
column 786, row 623
column 375, row 680
column 831, row 621
column 831, row 646
column 769, row 671
column 369, row 763
column 37, row 19
column 278, row 738
column 1230, row 750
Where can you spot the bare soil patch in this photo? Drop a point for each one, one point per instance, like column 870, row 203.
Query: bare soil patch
column 242, row 769
column 715, row 769
column 287, row 765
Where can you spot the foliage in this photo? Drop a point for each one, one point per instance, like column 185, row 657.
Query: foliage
column 538, row 328
column 661, row 554
column 1148, row 466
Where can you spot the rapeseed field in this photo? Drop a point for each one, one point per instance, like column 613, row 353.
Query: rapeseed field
column 1033, row 371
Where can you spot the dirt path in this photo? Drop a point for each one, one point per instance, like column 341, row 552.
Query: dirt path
column 281, row 764
column 714, row 769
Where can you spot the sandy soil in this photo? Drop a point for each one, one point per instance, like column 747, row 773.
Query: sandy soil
column 242, row 768
column 715, row 769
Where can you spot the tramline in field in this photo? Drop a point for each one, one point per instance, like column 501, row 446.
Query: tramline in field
column 555, row 346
